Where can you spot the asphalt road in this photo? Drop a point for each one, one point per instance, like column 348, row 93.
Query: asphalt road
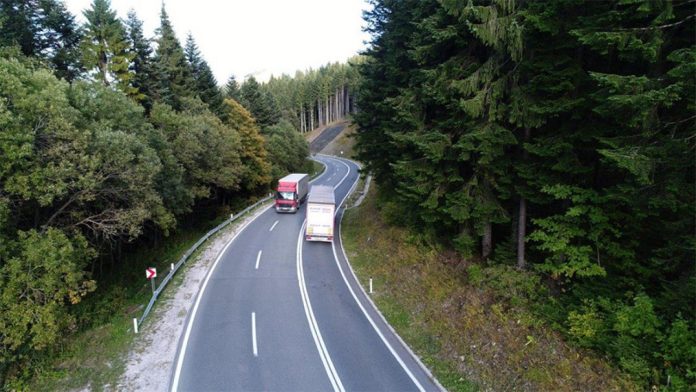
column 277, row 313
column 325, row 138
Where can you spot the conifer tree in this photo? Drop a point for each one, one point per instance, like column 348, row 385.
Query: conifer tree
column 564, row 127
column 205, row 83
column 232, row 89
column 173, row 74
column 254, row 100
column 45, row 29
column 141, row 66
column 105, row 46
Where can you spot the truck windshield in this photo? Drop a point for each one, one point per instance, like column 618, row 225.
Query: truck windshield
column 285, row 195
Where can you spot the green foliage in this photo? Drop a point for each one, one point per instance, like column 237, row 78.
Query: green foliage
column 204, row 81
column 205, row 148
column 256, row 172
column 105, row 46
column 306, row 99
column 172, row 71
column 571, row 120
column 45, row 29
column 258, row 103
column 287, row 149
column 42, row 276
column 509, row 285
column 84, row 168
column 141, row 66
column 232, row 89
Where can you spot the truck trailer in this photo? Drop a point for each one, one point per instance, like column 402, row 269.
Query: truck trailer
column 291, row 192
column 321, row 205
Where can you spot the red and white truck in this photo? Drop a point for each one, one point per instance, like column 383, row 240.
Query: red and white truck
column 321, row 205
column 291, row 192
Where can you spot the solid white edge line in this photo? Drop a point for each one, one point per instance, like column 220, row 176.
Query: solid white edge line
column 199, row 295
column 258, row 258
column 342, row 179
column 187, row 334
column 355, row 297
column 253, row 334
column 374, row 326
column 274, row 225
column 314, row 328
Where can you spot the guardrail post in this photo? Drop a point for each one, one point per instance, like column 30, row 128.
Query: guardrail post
column 188, row 254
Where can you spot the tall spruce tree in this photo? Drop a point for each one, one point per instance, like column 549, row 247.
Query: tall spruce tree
column 564, row 127
column 256, row 101
column 44, row 29
column 205, row 83
column 105, row 46
column 141, row 66
column 173, row 74
column 232, row 89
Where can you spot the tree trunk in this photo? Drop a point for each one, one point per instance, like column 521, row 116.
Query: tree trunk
column 326, row 112
column 337, row 105
column 487, row 240
column 522, row 222
column 103, row 68
column 521, row 234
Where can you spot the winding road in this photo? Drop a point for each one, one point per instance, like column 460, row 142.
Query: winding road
column 277, row 313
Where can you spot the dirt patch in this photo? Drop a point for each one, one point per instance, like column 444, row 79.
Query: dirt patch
column 149, row 363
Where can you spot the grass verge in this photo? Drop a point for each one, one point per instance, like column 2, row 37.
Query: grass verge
column 468, row 324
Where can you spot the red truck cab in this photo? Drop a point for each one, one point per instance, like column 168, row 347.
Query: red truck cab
column 291, row 192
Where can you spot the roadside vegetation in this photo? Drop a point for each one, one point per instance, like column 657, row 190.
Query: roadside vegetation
column 476, row 327
column 117, row 151
column 549, row 146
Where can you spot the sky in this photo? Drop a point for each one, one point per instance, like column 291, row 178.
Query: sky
column 256, row 37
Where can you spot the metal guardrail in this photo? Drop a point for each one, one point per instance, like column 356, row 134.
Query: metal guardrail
column 185, row 257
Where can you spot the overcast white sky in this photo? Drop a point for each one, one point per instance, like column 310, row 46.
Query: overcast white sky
column 259, row 37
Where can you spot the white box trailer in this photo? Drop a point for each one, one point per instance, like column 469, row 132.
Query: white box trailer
column 321, row 206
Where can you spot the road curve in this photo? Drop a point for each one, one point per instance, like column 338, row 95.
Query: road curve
column 277, row 313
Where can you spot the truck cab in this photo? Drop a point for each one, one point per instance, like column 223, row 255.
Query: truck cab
column 291, row 192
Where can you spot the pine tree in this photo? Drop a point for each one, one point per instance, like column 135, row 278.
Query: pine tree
column 255, row 100
column 232, row 89
column 45, row 29
column 173, row 74
column 141, row 66
column 205, row 83
column 19, row 25
column 105, row 46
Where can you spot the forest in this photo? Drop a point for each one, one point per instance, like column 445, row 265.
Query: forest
column 110, row 140
column 555, row 138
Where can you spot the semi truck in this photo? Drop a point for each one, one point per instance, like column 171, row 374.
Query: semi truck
column 291, row 192
column 321, row 205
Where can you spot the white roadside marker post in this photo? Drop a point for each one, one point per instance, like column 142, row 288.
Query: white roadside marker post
column 370, row 285
column 135, row 325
